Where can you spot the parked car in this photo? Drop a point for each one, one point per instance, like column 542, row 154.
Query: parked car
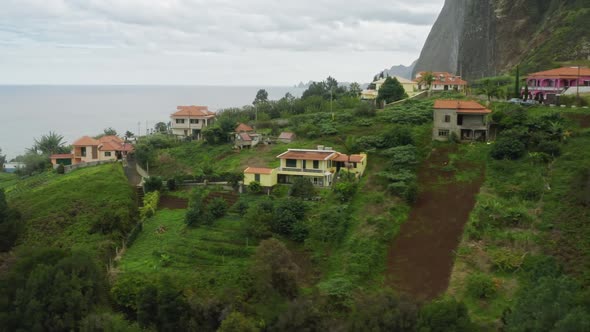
column 515, row 101
column 529, row 102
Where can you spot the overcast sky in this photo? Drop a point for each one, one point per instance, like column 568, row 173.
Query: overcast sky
column 214, row 42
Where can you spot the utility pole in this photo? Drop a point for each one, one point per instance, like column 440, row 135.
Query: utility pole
column 578, row 88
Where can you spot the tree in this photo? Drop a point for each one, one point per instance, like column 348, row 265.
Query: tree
column 49, row 144
column 428, row 78
column 261, row 97
column 444, row 315
column 2, row 160
column 354, row 90
column 10, row 225
column 110, row 131
column 288, row 219
column 302, row 188
column 490, row 89
column 301, row 314
column 517, row 83
column 391, row 91
column 273, row 269
column 383, row 312
column 508, row 147
column 161, row 127
column 128, row 135
column 236, row 322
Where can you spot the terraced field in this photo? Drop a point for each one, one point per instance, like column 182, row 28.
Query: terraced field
column 198, row 258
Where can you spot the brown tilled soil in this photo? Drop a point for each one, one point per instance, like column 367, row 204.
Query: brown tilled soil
column 420, row 259
column 582, row 119
column 173, row 203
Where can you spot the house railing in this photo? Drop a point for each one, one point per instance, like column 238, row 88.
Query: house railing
column 547, row 88
column 302, row 170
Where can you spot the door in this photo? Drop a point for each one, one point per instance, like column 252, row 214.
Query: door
column 304, row 164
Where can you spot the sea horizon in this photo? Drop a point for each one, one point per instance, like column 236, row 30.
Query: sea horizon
column 30, row 111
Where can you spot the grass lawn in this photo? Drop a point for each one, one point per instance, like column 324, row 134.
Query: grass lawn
column 59, row 210
column 200, row 259
column 7, row 180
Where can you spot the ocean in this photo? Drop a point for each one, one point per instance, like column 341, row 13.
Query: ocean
column 28, row 112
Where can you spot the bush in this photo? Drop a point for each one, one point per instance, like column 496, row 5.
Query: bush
column 481, row 286
column 254, row 187
column 287, row 215
column 345, row 190
column 150, row 205
column 365, row 109
column 217, row 207
column 153, row 183
column 241, row 207
column 302, row 188
column 60, row 169
column 445, row 315
column 274, row 269
column 257, row 222
column 508, row 148
column 551, row 148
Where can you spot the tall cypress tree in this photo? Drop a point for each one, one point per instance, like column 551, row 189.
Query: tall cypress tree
column 517, row 83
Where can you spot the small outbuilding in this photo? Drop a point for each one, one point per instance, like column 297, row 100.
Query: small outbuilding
column 267, row 177
column 286, row 137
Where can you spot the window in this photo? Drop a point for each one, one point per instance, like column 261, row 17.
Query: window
column 447, row 118
column 257, row 177
column 460, row 120
column 353, row 165
column 304, row 163
column 194, row 121
column 316, row 164
column 291, row 163
column 83, row 151
column 443, row 133
column 179, row 121
column 107, row 154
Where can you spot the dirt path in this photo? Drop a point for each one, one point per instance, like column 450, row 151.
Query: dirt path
column 420, row 259
column 173, row 203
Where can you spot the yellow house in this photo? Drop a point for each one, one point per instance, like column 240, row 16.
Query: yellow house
column 87, row 149
column 373, row 90
column 267, row 177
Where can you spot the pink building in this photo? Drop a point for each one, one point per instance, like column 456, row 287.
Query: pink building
column 556, row 81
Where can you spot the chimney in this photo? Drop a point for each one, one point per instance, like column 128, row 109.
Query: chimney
column 320, row 147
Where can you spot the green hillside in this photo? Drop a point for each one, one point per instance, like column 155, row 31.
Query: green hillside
column 65, row 210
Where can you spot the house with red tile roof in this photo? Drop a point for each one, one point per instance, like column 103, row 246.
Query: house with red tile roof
column 543, row 84
column 320, row 166
column 189, row 121
column 87, row 149
column 286, row 137
column 443, row 81
column 465, row 119
column 245, row 137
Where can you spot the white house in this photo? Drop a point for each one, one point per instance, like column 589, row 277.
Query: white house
column 189, row 121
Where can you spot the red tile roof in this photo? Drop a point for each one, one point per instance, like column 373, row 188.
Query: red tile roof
column 127, row 147
column 286, row 135
column 443, row 78
column 306, row 155
column 354, row 158
column 110, row 138
column 110, row 146
column 243, row 128
column 86, row 141
column 245, row 137
column 196, row 111
column 462, row 106
column 564, row 72
column 61, row 156
column 258, row 170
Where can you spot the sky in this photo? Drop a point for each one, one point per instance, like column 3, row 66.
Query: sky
column 213, row 42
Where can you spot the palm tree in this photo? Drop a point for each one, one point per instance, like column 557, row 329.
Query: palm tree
column 49, row 144
column 428, row 78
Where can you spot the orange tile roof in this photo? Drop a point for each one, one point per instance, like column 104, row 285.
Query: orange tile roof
column 61, row 156
column 354, row 158
column 286, row 135
column 243, row 128
column 564, row 72
column 86, row 141
column 443, row 78
column 110, row 138
column 245, row 137
column 128, row 147
column 258, row 170
column 110, row 146
column 198, row 111
column 462, row 106
column 306, row 155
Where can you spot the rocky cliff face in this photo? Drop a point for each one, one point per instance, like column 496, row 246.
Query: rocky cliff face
column 478, row 38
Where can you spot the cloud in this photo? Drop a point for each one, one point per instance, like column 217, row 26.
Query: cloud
column 157, row 30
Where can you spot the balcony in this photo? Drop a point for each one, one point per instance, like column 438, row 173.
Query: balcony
column 546, row 88
column 301, row 170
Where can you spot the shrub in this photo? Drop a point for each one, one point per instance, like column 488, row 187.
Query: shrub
column 257, row 222
column 153, row 183
column 235, row 322
column 274, row 269
column 254, row 187
column 481, row 286
column 150, row 205
column 241, row 207
column 551, row 148
column 60, row 169
column 445, row 315
column 217, row 207
column 383, row 312
column 508, row 148
column 287, row 215
column 365, row 109
column 345, row 189
column 302, row 188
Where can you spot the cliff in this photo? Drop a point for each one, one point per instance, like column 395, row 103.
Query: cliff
column 478, row 38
